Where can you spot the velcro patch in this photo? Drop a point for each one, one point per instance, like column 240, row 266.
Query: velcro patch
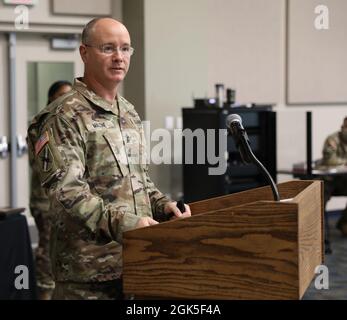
column 43, row 140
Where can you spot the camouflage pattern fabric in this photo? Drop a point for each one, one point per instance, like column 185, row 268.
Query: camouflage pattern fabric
column 334, row 154
column 90, row 155
column 39, row 208
column 108, row 290
column 334, row 150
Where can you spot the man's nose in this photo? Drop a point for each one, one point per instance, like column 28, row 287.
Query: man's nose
column 117, row 54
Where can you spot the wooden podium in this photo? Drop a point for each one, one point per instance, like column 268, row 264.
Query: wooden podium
column 239, row 246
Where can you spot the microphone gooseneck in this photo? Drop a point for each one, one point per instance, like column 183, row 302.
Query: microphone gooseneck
column 234, row 124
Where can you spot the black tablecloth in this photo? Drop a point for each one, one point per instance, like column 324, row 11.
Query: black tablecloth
column 15, row 250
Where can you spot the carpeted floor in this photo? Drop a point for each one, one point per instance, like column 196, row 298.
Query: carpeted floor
column 337, row 266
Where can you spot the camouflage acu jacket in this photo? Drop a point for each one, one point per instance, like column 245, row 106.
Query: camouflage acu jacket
column 334, row 150
column 90, row 155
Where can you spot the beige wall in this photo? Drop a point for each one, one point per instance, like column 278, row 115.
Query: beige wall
column 184, row 47
column 191, row 45
column 134, row 85
column 42, row 18
column 315, row 57
column 81, row 7
column 117, row 9
column 33, row 45
column 4, row 124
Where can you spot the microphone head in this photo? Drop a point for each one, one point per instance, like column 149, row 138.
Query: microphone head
column 232, row 118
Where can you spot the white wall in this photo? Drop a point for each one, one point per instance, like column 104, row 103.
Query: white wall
column 192, row 44
column 317, row 56
column 4, row 124
column 33, row 45
column 41, row 17
column 189, row 45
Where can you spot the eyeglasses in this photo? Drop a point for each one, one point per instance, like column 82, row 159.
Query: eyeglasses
column 109, row 49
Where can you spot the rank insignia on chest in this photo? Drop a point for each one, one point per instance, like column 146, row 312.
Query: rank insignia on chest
column 43, row 140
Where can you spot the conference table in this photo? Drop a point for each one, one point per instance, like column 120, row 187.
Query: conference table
column 17, row 270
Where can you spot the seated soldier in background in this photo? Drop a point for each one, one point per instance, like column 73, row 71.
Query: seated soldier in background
column 39, row 208
column 335, row 154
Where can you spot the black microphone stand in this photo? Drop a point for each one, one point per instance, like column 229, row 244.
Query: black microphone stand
column 242, row 142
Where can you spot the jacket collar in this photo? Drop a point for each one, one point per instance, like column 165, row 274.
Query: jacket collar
column 82, row 88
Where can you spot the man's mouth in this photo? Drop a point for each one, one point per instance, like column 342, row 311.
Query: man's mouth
column 117, row 68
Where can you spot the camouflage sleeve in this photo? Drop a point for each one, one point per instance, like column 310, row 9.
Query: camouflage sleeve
column 330, row 154
column 60, row 161
column 39, row 203
column 158, row 199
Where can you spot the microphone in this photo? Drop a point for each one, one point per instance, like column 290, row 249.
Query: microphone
column 234, row 124
column 239, row 134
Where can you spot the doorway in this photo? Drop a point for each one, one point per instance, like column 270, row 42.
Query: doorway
column 37, row 66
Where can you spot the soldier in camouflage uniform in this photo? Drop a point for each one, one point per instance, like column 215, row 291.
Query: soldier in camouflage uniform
column 335, row 154
column 89, row 149
column 39, row 208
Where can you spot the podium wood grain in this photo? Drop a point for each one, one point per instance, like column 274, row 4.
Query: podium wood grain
column 233, row 247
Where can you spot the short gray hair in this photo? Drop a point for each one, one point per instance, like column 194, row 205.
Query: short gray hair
column 87, row 30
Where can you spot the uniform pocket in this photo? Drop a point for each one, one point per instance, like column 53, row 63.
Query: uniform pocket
column 104, row 174
column 117, row 148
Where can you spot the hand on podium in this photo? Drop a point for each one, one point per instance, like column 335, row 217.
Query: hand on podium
column 173, row 209
column 177, row 210
column 145, row 222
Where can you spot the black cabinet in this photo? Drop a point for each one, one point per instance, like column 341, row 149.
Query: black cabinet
column 198, row 182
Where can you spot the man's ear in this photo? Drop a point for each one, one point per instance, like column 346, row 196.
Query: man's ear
column 83, row 53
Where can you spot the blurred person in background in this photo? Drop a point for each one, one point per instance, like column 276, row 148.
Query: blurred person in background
column 39, row 207
column 335, row 154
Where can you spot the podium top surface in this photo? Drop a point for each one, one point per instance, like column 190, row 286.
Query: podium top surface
column 291, row 192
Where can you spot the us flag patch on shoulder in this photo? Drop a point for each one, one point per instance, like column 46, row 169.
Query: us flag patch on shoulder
column 43, row 140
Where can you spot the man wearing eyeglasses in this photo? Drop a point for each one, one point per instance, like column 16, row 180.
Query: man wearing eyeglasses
column 89, row 149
